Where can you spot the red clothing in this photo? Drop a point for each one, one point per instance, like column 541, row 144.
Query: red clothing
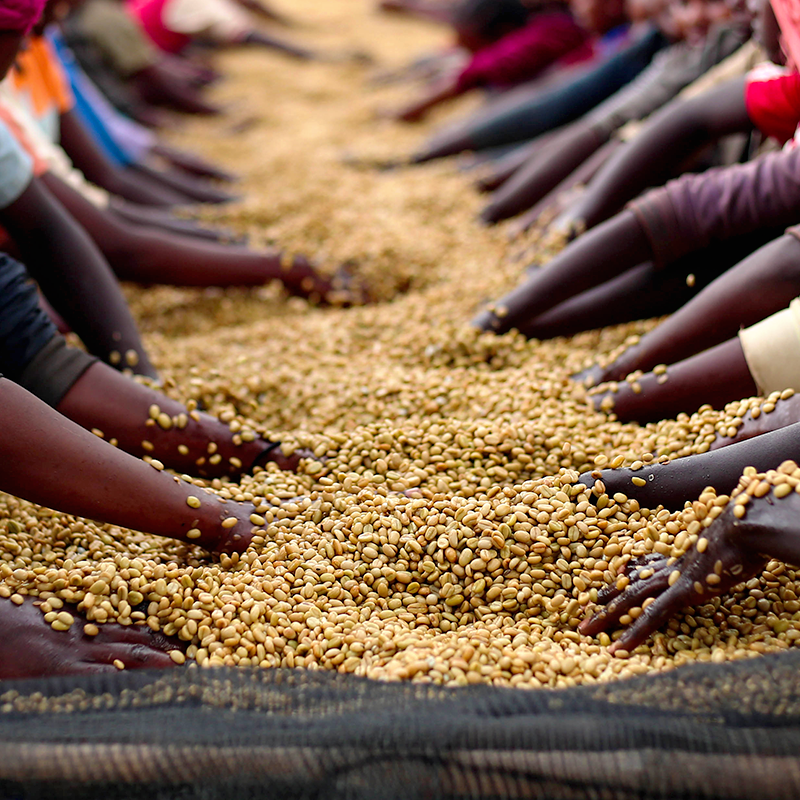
column 772, row 100
column 148, row 14
column 522, row 54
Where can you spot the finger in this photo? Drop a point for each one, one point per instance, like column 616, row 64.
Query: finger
column 635, row 571
column 633, row 597
column 132, row 657
column 111, row 634
column 653, row 617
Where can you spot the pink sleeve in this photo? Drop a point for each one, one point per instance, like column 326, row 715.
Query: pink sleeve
column 520, row 55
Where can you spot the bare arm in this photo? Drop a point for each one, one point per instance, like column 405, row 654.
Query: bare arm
column 49, row 460
column 674, row 134
column 761, row 523
column 720, row 310
column 145, row 422
column 94, row 164
column 75, row 278
column 607, row 251
column 558, row 159
column 716, row 376
column 443, row 90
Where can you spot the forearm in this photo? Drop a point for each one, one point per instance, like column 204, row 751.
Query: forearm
column 145, row 422
column 716, row 376
column 558, row 159
column 49, row 460
column 75, row 278
column 157, row 256
column 191, row 189
column 440, row 93
column 600, row 255
column 652, row 157
column 93, row 163
column 720, row 310
column 684, row 479
column 262, row 39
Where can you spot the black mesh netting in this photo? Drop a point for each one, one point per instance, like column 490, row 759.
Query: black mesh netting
column 730, row 731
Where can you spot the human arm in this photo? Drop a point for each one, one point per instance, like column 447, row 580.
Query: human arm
column 682, row 479
column 93, row 163
column 265, row 11
column 544, row 172
column 148, row 255
column 75, row 277
column 145, row 422
column 49, row 460
column 716, row 376
column 732, row 549
column 670, row 70
column 668, row 139
column 443, row 89
column 719, row 310
column 261, row 39
column 539, row 110
column 433, row 11
column 601, row 254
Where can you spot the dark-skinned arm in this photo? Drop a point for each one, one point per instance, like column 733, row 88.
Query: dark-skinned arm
column 75, row 277
column 735, row 547
column 564, row 154
column 720, row 310
column 442, row 90
column 157, row 84
column 140, row 254
column 601, row 254
column 672, row 484
column 556, row 199
column 716, row 376
column 93, row 163
column 265, row 11
column 50, row 460
column 431, row 11
column 673, row 135
column 196, row 190
column 261, row 39
column 188, row 442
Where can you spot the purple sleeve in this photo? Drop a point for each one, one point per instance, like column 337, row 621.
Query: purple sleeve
column 696, row 210
column 522, row 54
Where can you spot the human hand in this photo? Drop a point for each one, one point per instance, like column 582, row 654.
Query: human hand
column 654, row 588
column 30, row 648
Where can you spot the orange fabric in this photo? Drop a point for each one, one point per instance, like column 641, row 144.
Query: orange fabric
column 39, row 74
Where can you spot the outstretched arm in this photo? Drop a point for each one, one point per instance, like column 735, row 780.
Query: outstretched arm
column 720, row 310
column 138, row 253
column 674, row 134
column 145, row 422
column 94, row 164
column 716, row 376
column 675, row 482
column 559, row 158
column 442, row 90
column 602, row 254
column 75, row 278
column 47, row 459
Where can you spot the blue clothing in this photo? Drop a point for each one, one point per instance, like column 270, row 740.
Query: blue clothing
column 552, row 108
column 92, row 108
